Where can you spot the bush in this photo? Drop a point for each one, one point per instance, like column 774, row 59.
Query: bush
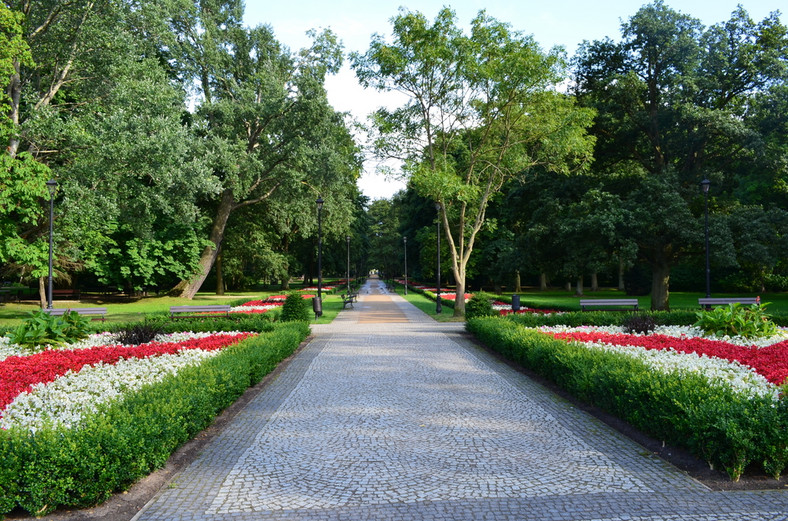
column 735, row 319
column 295, row 309
column 43, row 329
column 640, row 324
column 139, row 333
column 479, row 305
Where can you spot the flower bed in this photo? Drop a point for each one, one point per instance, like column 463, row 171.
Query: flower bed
column 136, row 403
column 697, row 393
column 59, row 386
column 505, row 309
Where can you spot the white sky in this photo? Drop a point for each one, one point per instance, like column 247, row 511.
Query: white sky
column 565, row 22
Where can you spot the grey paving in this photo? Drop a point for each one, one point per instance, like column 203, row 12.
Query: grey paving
column 406, row 421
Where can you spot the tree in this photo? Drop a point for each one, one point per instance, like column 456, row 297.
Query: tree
column 482, row 108
column 672, row 101
column 264, row 118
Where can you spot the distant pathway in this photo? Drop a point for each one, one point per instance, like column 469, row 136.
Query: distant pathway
column 387, row 414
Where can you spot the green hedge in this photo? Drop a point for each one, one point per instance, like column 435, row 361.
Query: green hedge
column 727, row 430
column 602, row 318
column 129, row 439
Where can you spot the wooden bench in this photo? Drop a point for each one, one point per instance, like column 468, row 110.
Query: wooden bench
column 198, row 311
column 711, row 301
column 66, row 293
column 621, row 304
column 347, row 300
column 59, row 312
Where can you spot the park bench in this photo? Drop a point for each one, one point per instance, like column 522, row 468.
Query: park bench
column 708, row 302
column 197, row 311
column 349, row 299
column 59, row 312
column 66, row 293
column 614, row 303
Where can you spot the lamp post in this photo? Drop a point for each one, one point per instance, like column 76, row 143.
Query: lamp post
column 319, row 203
column 438, row 306
column 705, row 186
column 51, row 186
column 348, row 265
column 405, row 241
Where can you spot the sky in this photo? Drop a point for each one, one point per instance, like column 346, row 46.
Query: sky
column 566, row 23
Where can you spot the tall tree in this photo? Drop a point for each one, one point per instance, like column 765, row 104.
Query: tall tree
column 673, row 100
column 264, row 117
column 481, row 108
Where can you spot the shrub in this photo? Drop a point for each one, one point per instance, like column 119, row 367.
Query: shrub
column 640, row 324
column 139, row 333
column 479, row 305
column 295, row 309
column 735, row 319
column 43, row 329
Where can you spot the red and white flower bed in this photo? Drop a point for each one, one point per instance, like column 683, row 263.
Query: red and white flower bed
column 60, row 386
column 506, row 309
column 747, row 367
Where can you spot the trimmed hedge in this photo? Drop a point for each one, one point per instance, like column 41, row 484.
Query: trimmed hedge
column 602, row 318
column 716, row 424
column 130, row 438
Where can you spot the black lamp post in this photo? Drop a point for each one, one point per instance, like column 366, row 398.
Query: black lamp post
column 405, row 241
column 438, row 306
column 51, row 186
column 705, row 186
column 320, row 254
column 348, row 265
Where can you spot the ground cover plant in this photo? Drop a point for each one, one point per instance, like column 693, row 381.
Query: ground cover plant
column 721, row 398
column 87, row 419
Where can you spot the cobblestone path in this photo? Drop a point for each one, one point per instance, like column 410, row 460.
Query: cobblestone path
column 388, row 415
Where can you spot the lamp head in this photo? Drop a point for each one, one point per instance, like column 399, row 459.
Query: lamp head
column 319, row 202
column 52, row 186
column 705, row 185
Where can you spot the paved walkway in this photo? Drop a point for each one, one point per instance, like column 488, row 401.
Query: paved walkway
column 387, row 414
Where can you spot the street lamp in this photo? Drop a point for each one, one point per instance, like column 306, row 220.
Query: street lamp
column 705, row 186
column 319, row 202
column 405, row 241
column 51, row 186
column 348, row 265
column 438, row 306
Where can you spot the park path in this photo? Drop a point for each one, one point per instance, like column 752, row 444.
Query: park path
column 387, row 414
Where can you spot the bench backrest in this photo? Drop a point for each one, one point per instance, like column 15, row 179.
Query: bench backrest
column 82, row 311
column 610, row 301
column 198, row 309
column 723, row 301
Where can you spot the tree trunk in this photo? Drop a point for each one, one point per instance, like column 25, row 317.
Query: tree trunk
column 579, row 290
column 594, row 282
column 285, row 284
column 543, row 281
column 660, row 286
column 621, row 285
column 459, row 299
column 188, row 288
column 518, row 288
column 42, row 291
column 219, row 273
column 568, row 285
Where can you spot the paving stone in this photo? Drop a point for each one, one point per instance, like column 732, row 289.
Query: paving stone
column 377, row 419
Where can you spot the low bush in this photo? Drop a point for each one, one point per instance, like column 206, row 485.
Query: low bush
column 42, row 329
column 479, row 305
column 295, row 309
column 723, row 427
column 129, row 438
column 737, row 320
column 604, row 318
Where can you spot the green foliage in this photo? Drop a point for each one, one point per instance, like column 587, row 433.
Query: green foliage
column 295, row 309
column 479, row 306
column 64, row 467
column 729, row 430
column 603, row 318
column 43, row 329
column 735, row 319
